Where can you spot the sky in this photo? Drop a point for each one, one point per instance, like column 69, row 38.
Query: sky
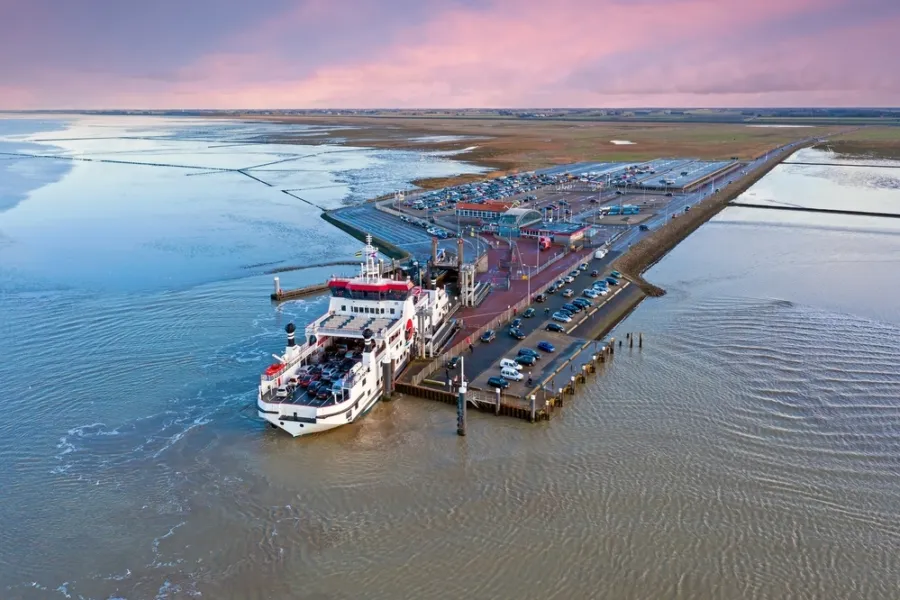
column 219, row 54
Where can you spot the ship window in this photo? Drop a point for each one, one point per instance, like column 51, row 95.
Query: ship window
column 392, row 311
column 343, row 307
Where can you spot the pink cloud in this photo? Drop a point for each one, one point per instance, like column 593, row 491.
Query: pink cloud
column 531, row 53
column 522, row 54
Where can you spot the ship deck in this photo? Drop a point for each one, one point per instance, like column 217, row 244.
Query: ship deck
column 301, row 397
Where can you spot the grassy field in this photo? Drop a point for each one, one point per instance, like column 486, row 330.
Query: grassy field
column 874, row 142
column 514, row 145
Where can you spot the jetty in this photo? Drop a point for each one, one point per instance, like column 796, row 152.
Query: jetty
column 516, row 295
column 830, row 211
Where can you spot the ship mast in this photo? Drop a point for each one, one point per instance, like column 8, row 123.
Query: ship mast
column 369, row 269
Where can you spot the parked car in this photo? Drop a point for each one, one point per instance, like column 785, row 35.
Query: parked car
column 526, row 360
column 589, row 293
column 506, row 363
column 488, row 336
column 568, row 293
column 582, row 267
column 540, row 298
column 616, row 274
column 612, row 281
column 498, row 382
column 569, row 279
column 582, row 302
column 572, row 308
column 529, row 312
column 516, row 333
column 595, row 273
column 573, row 273
column 554, row 327
column 603, row 291
column 546, row 346
column 643, row 228
column 561, row 317
column 529, row 351
column 515, row 324
column 511, row 374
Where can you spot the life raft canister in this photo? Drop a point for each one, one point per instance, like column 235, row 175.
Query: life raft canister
column 410, row 329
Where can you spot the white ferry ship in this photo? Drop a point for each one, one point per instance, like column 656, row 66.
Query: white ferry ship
column 349, row 356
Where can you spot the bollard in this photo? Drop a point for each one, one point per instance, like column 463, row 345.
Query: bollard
column 277, row 287
column 461, row 410
column 640, row 340
column 497, row 406
column 631, row 342
column 532, row 408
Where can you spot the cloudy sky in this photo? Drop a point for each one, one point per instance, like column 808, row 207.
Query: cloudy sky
column 447, row 53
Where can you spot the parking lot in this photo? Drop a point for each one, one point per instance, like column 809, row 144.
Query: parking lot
column 565, row 347
column 413, row 239
column 485, row 355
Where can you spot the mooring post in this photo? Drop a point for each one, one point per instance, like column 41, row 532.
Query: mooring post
column 631, row 341
column 532, row 408
column 641, row 340
column 573, row 384
column 461, row 400
column 497, row 406
column 461, row 411
column 277, row 287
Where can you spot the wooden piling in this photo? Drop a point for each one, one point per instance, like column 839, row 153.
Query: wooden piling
column 640, row 340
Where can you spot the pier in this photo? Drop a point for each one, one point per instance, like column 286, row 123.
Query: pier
column 507, row 290
column 830, row 211
column 812, row 164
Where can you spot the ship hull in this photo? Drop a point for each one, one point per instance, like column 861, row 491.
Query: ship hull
column 298, row 420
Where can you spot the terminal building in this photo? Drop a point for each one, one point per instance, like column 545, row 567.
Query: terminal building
column 565, row 234
column 491, row 210
column 514, row 220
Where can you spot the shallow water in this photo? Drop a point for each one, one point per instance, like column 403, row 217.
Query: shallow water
column 750, row 450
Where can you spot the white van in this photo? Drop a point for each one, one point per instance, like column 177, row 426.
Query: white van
column 511, row 374
column 505, row 363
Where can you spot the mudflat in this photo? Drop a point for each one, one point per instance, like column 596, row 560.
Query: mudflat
column 507, row 145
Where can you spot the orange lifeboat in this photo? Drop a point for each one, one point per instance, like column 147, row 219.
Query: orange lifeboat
column 274, row 369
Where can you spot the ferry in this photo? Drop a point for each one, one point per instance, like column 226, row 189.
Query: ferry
column 349, row 357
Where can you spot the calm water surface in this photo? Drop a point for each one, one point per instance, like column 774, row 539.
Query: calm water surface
column 751, row 450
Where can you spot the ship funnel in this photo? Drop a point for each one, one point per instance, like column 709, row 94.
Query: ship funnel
column 289, row 328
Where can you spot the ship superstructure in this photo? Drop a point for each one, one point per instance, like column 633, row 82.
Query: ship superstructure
column 340, row 368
